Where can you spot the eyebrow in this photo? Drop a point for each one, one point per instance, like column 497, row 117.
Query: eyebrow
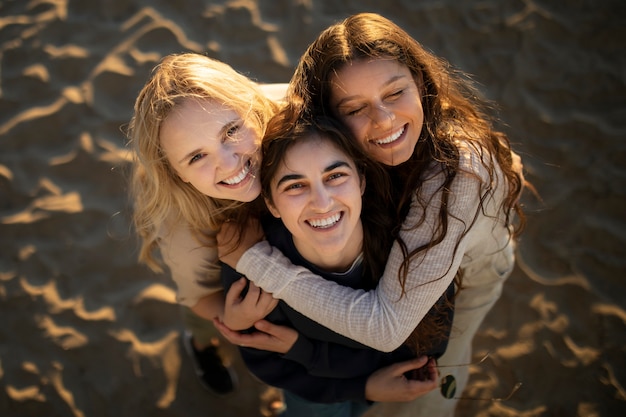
column 329, row 168
column 220, row 134
column 389, row 81
column 189, row 156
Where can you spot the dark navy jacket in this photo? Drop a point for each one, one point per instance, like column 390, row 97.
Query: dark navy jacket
column 322, row 366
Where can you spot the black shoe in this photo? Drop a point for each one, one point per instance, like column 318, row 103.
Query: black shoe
column 213, row 374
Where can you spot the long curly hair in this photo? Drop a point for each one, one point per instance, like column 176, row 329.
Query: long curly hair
column 455, row 119
column 160, row 196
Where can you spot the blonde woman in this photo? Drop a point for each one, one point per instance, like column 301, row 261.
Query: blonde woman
column 195, row 136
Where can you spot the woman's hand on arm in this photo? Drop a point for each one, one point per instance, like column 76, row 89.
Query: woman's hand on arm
column 270, row 337
column 230, row 248
column 390, row 385
column 241, row 313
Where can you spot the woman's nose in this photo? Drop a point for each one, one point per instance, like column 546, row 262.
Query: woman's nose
column 320, row 198
column 227, row 160
column 381, row 116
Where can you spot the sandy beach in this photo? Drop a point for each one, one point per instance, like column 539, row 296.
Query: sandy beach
column 89, row 332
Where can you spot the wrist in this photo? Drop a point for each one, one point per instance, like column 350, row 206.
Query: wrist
column 235, row 325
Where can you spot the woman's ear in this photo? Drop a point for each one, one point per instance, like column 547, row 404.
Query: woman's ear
column 272, row 208
column 362, row 185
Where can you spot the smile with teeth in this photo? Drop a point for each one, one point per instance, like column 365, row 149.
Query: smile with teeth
column 390, row 138
column 325, row 223
column 236, row 179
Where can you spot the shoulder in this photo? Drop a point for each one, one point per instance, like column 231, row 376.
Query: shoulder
column 475, row 160
column 178, row 244
column 177, row 227
column 474, row 163
column 275, row 91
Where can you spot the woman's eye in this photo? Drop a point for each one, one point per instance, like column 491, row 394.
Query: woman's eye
column 294, row 186
column 335, row 176
column 232, row 131
column 195, row 158
column 355, row 112
column 396, row 94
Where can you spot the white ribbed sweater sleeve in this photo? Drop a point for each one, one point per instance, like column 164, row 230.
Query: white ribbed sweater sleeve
column 381, row 318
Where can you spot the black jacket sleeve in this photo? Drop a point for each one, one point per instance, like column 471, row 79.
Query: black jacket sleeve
column 334, row 360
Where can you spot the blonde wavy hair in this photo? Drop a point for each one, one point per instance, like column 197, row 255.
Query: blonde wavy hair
column 159, row 196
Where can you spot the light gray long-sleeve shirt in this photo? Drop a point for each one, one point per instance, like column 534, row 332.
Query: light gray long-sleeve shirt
column 383, row 318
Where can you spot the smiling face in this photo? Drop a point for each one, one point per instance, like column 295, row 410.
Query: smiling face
column 317, row 193
column 210, row 147
column 379, row 101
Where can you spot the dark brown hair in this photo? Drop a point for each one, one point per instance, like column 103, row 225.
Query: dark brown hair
column 453, row 113
column 376, row 216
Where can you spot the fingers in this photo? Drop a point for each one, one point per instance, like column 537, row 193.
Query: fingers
column 241, row 313
column 390, row 383
column 269, row 328
column 267, row 302
column 254, row 296
column 257, row 340
column 225, row 331
column 264, row 326
column 422, row 360
column 259, row 299
column 283, row 337
column 433, row 371
column 254, row 292
column 402, row 367
column 235, row 290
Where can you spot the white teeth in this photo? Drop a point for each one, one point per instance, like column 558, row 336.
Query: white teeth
column 325, row 223
column 239, row 177
column 390, row 138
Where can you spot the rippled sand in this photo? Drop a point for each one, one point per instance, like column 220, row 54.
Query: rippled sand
column 88, row 332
